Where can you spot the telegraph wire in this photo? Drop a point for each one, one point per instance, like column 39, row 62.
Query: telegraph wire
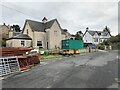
column 16, row 10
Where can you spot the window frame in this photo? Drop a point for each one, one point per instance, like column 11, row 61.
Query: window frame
column 22, row 43
column 39, row 44
column 95, row 39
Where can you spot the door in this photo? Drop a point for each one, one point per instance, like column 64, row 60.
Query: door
column 47, row 45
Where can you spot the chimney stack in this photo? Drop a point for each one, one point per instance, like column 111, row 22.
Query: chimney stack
column 44, row 20
column 3, row 23
column 9, row 26
column 87, row 29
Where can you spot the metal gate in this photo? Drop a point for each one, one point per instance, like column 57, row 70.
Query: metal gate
column 9, row 65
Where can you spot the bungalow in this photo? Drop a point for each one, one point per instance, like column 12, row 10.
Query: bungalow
column 20, row 40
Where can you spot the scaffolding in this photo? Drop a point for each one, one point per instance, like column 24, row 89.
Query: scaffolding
column 9, row 65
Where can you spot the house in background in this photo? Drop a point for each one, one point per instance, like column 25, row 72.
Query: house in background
column 7, row 31
column 95, row 37
column 4, row 31
column 45, row 34
column 13, row 33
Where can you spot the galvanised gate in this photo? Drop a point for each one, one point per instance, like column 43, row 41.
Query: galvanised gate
column 8, row 65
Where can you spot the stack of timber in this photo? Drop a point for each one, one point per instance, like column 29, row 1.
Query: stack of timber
column 11, row 51
column 24, row 61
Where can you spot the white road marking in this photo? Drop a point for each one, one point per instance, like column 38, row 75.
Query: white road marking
column 102, row 50
column 48, row 86
column 114, row 85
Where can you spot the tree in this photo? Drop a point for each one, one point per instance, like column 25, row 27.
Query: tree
column 2, row 43
column 16, row 28
column 78, row 35
column 106, row 42
column 114, row 41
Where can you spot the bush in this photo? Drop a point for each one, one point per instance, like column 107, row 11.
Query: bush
column 116, row 46
column 2, row 43
column 102, row 47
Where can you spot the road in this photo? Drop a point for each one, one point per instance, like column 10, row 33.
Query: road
column 94, row 70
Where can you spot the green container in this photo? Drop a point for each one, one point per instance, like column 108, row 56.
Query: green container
column 72, row 44
column 46, row 52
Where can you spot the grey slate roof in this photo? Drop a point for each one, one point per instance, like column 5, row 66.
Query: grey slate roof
column 65, row 32
column 40, row 26
column 92, row 32
column 21, row 36
column 100, row 33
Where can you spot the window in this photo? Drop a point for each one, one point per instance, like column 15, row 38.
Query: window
column 39, row 43
column 27, row 31
column 47, row 45
column 55, row 33
column 22, row 43
column 96, row 40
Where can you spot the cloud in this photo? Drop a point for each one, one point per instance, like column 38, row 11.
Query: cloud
column 61, row 0
column 74, row 16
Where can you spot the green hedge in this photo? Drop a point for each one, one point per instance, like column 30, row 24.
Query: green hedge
column 116, row 46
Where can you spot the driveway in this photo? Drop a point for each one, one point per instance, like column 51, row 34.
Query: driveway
column 94, row 70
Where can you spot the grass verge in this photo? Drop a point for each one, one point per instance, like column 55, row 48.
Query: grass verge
column 44, row 57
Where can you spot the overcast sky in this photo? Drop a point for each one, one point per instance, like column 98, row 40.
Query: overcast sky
column 74, row 16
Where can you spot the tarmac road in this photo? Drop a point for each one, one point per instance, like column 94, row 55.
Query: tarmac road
column 94, row 70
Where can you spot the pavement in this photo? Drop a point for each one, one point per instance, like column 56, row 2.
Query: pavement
column 94, row 70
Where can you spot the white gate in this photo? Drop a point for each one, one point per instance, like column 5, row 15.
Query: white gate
column 9, row 65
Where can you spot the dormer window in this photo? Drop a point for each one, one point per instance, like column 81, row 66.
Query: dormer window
column 99, row 33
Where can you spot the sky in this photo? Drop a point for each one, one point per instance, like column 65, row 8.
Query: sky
column 74, row 15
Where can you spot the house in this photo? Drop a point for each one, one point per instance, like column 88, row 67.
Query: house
column 4, row 31
column 45, row 34
column 13, row 33
column 95, row 37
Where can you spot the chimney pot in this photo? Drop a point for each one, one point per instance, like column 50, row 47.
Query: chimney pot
column 3, row 23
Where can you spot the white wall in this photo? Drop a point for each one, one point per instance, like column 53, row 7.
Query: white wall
column 30, row 32
column 88, row 38
column 55, row 40
column 96, row 36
